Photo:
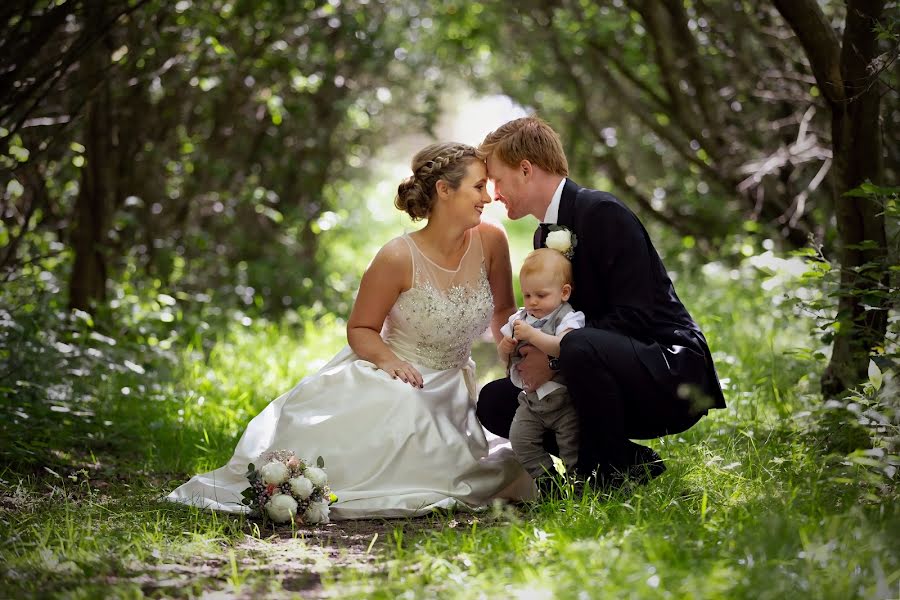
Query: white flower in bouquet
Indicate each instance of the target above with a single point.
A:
(561, 240)
(301, 487)
(274, 473)
(281, 508)
(318, 477)
(317, 512)
(267, 496)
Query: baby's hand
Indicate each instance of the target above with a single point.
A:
(522, 331)
(507, 345)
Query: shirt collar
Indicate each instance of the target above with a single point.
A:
(552, 215)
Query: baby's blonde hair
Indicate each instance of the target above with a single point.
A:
(547, 259)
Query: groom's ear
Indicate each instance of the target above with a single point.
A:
(526, 168)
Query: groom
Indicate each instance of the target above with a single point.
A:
(641, 368)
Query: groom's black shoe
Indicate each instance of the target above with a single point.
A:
(641, 465)
(646, 466)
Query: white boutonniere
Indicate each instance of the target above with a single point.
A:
(562, 240)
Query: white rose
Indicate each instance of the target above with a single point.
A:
(274, 472)
(318, 477)
(281, 508)
(559, 240)
(301, 487)
(316, 513)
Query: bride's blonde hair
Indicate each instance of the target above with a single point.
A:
(445, 161)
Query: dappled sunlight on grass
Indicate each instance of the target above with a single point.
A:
(747, 508)
(205, 409)
(751, 506)
(697, 531)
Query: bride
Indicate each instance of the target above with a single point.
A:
(393, 414)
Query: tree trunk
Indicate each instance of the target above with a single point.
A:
(87, 285)
(856, 142)
(842, 71)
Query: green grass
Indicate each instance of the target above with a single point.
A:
(752, 506)
(753, 516)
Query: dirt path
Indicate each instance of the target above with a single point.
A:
(260, 563)
(283, 564)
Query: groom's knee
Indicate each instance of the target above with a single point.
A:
(497, 403)
(483, 410)
(576, 351)
(583, 357)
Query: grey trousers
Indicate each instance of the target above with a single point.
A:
(555, 412)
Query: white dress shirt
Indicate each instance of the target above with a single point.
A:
(552, 215)
(572, 320)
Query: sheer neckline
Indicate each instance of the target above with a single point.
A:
(461, 258)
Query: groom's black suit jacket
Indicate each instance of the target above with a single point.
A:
(621, 285)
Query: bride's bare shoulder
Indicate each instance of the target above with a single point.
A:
(493, 237)
(394, 255)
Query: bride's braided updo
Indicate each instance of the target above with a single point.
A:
(444, 161)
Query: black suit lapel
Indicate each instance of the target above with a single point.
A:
(584, 294)
(539, 237)
(566, 215)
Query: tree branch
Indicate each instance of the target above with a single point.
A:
(694, 69)
(57, 70)
(819, 41)
(658, 26)
(614, 167)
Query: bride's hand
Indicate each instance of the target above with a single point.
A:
(405, 371)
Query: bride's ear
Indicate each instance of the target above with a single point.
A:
(442, 188)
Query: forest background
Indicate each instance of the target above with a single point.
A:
(191, 191)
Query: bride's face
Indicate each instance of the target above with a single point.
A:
(466, 203)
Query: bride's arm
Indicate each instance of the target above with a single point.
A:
(385, 279)
(499, 271)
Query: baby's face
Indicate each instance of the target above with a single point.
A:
(543, 293)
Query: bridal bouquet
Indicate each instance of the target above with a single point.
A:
(284, 488)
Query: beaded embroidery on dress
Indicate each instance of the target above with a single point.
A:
(437, 319)
(391, 450)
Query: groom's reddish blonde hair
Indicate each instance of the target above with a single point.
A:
(528, 138)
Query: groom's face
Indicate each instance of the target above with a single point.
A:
(510, 187)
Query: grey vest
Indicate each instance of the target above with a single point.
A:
(548, 325)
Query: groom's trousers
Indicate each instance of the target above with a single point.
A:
(614, 394)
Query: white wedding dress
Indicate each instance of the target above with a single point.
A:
(391, 450)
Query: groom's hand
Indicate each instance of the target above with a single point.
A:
(534, 368)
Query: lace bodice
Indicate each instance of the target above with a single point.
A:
(435, 321)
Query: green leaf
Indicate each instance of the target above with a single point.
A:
(875, 375)
(864, 245)
(19, 153)
(320, 462)
(870, 190)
